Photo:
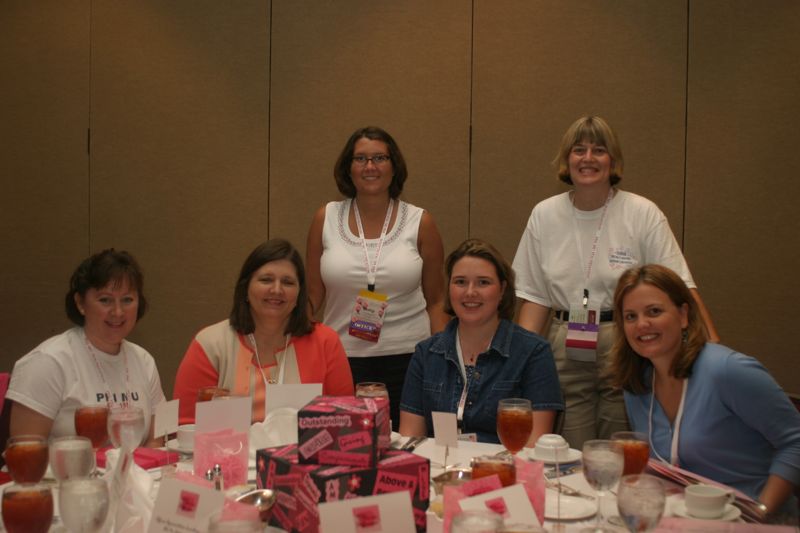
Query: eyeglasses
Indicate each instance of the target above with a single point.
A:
(376, 159)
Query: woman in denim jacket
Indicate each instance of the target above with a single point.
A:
(481, 357)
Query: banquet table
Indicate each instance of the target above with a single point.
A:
(460, 457)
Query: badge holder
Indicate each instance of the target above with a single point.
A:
(582, 332)
(368, 313)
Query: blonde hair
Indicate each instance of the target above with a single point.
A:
(595, 130)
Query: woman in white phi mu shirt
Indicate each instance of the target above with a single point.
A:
(92, 363)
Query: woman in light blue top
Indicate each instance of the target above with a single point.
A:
(705, 407)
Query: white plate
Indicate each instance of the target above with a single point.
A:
(731, 512)
(573, 456)
(572, 508)
(173, 445)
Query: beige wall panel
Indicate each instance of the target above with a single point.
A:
(44, 60)
(338, 66)
(538, 66)
(180, 95)
(741, 213)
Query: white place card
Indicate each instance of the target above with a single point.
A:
(295, 395)
(231, 413)
(184, 507)
(445, 429)
(166, 418)
(385, 513)
(511, 503)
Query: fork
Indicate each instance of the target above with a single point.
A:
(567, 490)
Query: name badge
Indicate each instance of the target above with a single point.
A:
(368, 314)
(582, 331)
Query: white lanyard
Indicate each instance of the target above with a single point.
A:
(463, 368)
(281, 363)
(673, 452)
(372, 269)
(122, 353)
(588, 273)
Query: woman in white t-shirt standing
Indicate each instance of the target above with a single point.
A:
(375, 262)
(574, 248)
(91, 363)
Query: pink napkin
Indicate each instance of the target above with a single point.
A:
(452, 495)
(146, 458)
(531, 475)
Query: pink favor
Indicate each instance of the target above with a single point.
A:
(225, 448)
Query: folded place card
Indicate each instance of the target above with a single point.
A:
(233, 412)
(385, 513)
(166, 418)
(511, 503)
(184, 507)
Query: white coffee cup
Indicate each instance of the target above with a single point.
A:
(707, 501)
(549, 445)
(186, 437)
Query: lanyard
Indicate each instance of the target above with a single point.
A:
(673, 451)
(372, 269)
(463, 368)
(109, 403)
(597, 233)
(281, 362)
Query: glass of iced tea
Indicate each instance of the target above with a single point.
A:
(206, 394)
(636, 450)
(371, 389)
(514, 423)
(503, 466)
(92, 422)
(26, 457)
(27, 508)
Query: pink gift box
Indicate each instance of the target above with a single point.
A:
(300, 487)
(343, 430)
(225, 448)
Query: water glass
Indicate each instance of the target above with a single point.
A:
(640, 502)
(83, 504)
(602, 467)
(26, 458)
(71, 457)
(126, 427)
(476, 522)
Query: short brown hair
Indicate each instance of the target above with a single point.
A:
(483, 250)
(595, 130)
(241, 317)
(626, 367)
(97, 271)
(341, 170)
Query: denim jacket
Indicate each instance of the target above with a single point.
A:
(518, 364)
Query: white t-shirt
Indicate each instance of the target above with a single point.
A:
(553, 254)
(60, 375)
(399, 275)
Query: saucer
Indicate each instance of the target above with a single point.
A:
(731, 512)
(173, 445)
(573, 456)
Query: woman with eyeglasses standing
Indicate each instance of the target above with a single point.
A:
(375, 262)
(574, 248)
